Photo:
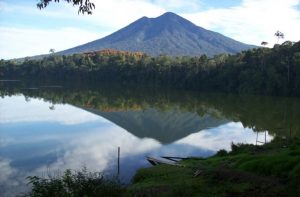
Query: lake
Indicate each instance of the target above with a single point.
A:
(47, 128)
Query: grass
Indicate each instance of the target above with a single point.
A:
(248, 170)
(272, 169)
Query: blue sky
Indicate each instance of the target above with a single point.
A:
(26, 30)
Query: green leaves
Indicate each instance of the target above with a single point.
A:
(257, 71)
(85, 6)
(74, 184)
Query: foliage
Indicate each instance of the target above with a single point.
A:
(279, 35)
(85, 6)
(74, 184)
(261, 71)
(277, 115)
(221, 153)
(247, 171)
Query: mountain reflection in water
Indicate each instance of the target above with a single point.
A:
(85, 126)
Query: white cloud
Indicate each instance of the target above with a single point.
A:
(179, 5)
(119, 13)
(5, 169)
(21, 42)
(109, 16)
(221, 137)
(31, 9)
(253, 21)
(15, 109)
(98, 150)
(11, 180)
(108, 13)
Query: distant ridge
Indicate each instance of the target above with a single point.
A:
(167, 34)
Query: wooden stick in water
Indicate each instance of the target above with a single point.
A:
(118, 161)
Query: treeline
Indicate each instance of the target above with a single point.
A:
(261, 71)
(278, 115)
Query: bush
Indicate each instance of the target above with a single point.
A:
(75, 184)
(222, 153)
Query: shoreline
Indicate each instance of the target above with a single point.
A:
(272, 169)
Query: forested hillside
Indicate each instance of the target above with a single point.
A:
(262, 71)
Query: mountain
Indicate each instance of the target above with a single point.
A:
(167, 34)
(163, 126)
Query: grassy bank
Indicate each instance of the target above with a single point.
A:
(248, 170)
(272, 169)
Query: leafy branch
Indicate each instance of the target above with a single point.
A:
(85, 6)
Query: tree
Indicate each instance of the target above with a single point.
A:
(279, 35)
(286, 51)
(85, 6)
(263, 43)
(52, 51)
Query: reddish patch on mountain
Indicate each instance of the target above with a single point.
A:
(115, 52)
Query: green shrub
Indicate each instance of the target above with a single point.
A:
(222, 153)
(74, 184)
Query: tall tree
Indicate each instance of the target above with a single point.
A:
(85, 6)
(52, 51)
(263, 43)
(279, 35)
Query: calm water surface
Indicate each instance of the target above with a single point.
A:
(50, 128)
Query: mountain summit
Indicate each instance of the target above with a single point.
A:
(167, 34)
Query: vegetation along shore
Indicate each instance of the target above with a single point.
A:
(272, 169)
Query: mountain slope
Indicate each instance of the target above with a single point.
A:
(165, 127)
(167, 34)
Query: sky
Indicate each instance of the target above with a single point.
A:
(77, 138)
(26, 31)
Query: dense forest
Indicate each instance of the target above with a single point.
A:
(263, 71)
(279, 115)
